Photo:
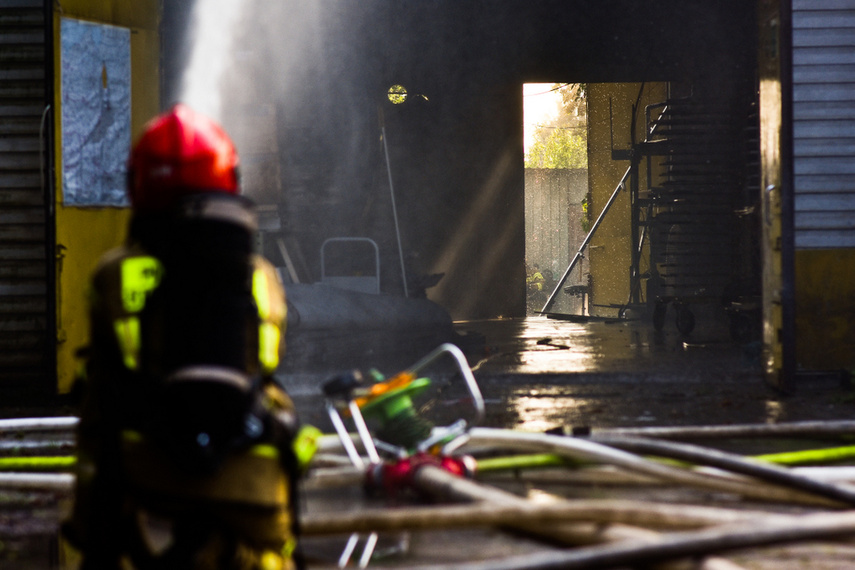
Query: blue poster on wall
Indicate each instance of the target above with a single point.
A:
(96, 112)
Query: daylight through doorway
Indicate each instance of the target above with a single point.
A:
(556, 193)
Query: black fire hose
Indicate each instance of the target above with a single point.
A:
(729, 462)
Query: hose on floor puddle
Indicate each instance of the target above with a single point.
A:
(587, 450)
(836, 428)
(729, 462)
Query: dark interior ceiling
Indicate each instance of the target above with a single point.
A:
(437, 42)
(599, 41)
(328, 65)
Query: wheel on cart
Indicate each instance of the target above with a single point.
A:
(685, 320)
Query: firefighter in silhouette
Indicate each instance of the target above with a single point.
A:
(534, 283)
(188, 449)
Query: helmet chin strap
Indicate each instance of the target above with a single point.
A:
(218, 206)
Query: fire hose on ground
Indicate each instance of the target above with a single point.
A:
(419, 457)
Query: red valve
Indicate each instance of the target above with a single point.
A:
(395, 478)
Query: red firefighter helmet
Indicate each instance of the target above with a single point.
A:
(181, 152)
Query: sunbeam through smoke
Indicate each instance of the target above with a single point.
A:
(212, 25)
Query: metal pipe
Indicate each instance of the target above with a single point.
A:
(345, 239)
(345, 438)
(465, 371)
(344, 558)
(368, 550)
(585, 242)
(394, 209)
(362, 429)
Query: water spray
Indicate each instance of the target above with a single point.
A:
(212, 32)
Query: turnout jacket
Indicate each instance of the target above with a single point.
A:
(181, 414)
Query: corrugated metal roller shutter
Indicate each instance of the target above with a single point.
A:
(824, 122)
(25, 329)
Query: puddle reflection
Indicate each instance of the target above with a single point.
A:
(774, 411)
(542, 407)
(540, 345)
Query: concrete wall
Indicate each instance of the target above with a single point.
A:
(555, 227)
(83, 234)
(609, 119)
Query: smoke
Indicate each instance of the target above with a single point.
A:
(299, 87)
(211, 38)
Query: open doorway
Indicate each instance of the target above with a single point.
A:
(555, 122)
(670, 165)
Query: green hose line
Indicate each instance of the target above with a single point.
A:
(730, 462)
(809, 456)
(494, 464)
(534, 461)
(788, 458)
(54, 463)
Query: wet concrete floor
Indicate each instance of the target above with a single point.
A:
(535, 374)
(540, 373)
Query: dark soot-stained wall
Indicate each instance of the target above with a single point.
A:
(455, 154)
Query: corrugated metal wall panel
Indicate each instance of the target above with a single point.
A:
(25, 327)
(824, 122)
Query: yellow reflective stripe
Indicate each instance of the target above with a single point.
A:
(261, 292)
(140, 276)
(268, 346)
(128, 334)
(271, 560)
(269, 333)
(289, 548)
(305, 445)
(265, 450)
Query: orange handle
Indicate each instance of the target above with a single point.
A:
(400, 380)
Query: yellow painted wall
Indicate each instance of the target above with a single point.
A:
(610, 249)
(825, 309)
(84, 234)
